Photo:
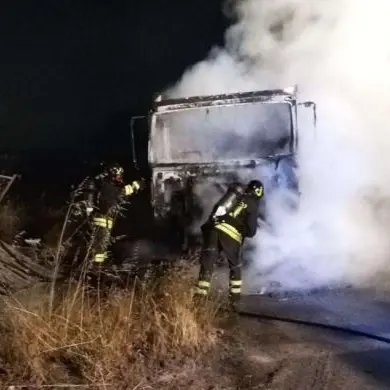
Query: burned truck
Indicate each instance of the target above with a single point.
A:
(199, 145)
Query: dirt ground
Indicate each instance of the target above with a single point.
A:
(263, 354)
(257, 354)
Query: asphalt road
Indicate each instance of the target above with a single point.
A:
(306, 357)
(283, 355)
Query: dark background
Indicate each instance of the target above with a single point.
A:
(73, 72)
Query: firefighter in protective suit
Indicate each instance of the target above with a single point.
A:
(103, 195)
(233, 218)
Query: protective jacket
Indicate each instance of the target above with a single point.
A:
(103, 197)
(241, 222)
(102, 193)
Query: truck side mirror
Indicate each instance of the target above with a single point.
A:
(307, 122)
(312, 105)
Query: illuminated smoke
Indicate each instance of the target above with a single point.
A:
(337, 52)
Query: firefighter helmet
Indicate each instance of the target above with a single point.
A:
(256, 188)
(116, 172)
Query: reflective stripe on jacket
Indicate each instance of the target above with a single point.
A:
(105, 222)
(230, 230)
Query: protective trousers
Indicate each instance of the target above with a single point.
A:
(101, 234)
(215, 242)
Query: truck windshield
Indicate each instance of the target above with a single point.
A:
(217, 134)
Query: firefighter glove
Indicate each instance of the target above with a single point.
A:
(139, 185)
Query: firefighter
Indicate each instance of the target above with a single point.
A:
(233, 218)
(103, 196)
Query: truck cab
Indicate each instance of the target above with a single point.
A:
(199, 145)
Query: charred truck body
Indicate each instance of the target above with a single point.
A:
(199, 145)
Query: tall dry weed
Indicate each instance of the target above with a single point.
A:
(115, 338)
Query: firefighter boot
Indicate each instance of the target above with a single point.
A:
(234, 301)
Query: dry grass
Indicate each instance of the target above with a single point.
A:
(73, 335)
(119, 339)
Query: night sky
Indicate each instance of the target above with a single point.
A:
(73, 72)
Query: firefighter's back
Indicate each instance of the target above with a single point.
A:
(109, 194)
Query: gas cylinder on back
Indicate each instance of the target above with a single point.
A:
(228, 200)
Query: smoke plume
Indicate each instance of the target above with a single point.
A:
(338, 53)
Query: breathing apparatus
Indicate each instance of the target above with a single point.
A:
(228, 200)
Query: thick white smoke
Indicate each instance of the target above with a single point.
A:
(338, 53)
